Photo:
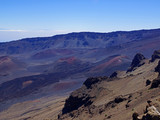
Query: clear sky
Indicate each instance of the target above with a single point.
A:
(31, 18)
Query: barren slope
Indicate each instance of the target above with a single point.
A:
(114, 98)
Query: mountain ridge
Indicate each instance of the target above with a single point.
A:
(77, 40)
(74, 58)
(84, 32)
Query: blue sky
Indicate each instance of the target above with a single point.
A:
(31, 18)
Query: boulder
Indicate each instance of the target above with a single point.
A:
(152, 114)
(119, 99)
(155, 83)
(148, 82)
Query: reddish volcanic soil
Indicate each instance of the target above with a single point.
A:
(27, 83)
(5, 59)
(69, 60)
(6, 64)
(113, 62)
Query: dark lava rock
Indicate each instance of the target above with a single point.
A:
(136, 62)
(93, 80)
(114, 75)
(148, 82)
(150, 114)
(156, 55)
(119, 99)
(157, 69)
(127, 105)
(116, 101)
(82, 96)
(135, 115)
(155, 83)
(74, 102)
(151, 117)
(109, 116)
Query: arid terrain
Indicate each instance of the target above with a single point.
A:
(38, 74)
(119, 96)
(38, 109)
(100, 98)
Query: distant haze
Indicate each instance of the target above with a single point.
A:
(33, 18)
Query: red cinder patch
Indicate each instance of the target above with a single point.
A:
(69, 60)
(26, 83)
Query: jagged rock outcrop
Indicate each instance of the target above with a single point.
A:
(116, 101)
(114, 75)
(151, 113)
(119, 99)
(156, 55)
(74, 102)
(107, 97)
(137, 62)
(82, 96)
(93, 80)
(155, 83)
(157, 69)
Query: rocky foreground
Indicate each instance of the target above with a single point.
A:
(122, 96)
